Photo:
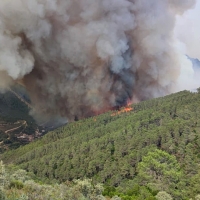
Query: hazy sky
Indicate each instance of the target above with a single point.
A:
(188, 30)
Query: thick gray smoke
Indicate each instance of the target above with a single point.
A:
(81, 57)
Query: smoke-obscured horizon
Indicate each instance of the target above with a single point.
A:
(78, 58)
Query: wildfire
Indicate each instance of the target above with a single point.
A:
(126, 109)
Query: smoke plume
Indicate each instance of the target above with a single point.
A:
(81, 57)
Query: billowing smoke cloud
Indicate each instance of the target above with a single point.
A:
(80, 57)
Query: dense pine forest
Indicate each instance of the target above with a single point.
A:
(150, 150)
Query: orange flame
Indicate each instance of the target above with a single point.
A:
(126, 109)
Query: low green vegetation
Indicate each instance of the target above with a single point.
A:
(17, 184)
(151, 152)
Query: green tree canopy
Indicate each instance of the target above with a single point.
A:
(160, 171)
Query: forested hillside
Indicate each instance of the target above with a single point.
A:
(154, 147)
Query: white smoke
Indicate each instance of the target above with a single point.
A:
(187, 33)
(78, 58)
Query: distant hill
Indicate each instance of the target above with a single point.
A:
(195, 63)
(12, 108)
(17, 127)
(150, 146)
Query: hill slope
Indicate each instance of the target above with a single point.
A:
(113, 148)
(17, 127)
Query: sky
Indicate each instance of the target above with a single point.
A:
(187, 33)
(188, 30)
